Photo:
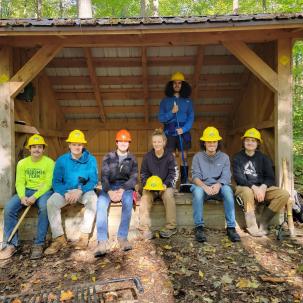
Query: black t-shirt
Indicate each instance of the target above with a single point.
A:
(253, 170)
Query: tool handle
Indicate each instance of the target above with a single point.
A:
(18, 223)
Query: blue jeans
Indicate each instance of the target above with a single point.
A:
(12, 210)
(226, 194)
(102, 214)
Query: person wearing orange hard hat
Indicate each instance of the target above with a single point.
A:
(254, 175)
(177, 115)
(33, 185)
(74, 181)
(119, 175)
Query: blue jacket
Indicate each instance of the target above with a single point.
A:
(70, 173)
(185, 115)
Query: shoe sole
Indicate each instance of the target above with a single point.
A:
(99, 254)
(166, 236)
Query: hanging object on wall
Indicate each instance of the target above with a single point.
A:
(27, 94)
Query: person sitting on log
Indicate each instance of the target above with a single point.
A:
(119, 176)
(211, 177)
(33, 185)
(158, 163)
(254, 175)
(75, 177)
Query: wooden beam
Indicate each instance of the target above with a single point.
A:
(204, 80)
(115, 124)
(136, 94)
(7, 142)
(94, 81)
(261, 125)
(137, 61)
(197, 71)
(33, 67)
(160, 37)
(28, 129)
(283, 112)
(222, 108)
(254, 63)
(145, 82)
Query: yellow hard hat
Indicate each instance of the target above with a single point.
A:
(177, 76)
(252, 133)
(210, 133)
(76, 136)
(35, 140)
(154, 183)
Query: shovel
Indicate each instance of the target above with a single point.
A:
(4, 243)
(184, 188)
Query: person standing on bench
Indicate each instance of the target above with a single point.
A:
(33, 185)
(177, 115)
(162, 163)
(253, 172)
(75, 177)
(119, 175)
(211, 177)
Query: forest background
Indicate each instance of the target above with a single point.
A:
(145, 8)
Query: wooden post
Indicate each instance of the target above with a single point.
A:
(7, 134)
(283, 112)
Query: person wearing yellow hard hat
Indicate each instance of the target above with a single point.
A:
(119, 175)
(159, 174)
(254, 175)
(33, 186)
(211, 177)
(75, 177)
(177, 115)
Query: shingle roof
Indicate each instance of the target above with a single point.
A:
(207, 21)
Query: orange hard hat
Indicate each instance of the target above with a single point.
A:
(123, 135)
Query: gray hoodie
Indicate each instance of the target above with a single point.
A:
(211, 169)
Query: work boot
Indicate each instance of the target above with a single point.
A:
(101, 249)
(251, 224)
(266, 217)
(147, 234)
(167, 233)
(82, 242)
(124, 244)
(232, 234)
(184, 174)
(7, 252)
(57, 244)
(36, 252)
(200, 236)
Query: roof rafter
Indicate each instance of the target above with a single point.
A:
(94, 81)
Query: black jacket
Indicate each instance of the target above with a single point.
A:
(255, 170)
(126, 173)
(165, 167)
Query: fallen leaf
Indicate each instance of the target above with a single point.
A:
(93, 279)
(168, 247)
(74, 277)
(300, 268)
(201, 274)
(16, 300)
(245, 283)
(226, 279)
(66, 295)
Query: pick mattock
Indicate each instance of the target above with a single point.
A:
(4, 243)
(289, 205)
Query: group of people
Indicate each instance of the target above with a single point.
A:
(74, 176)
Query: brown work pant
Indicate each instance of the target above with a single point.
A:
(276, 197)
(146, 204)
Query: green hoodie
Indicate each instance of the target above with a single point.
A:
(34, 175)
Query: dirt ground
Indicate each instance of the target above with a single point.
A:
(171, 270)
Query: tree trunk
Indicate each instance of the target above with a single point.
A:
(155, 8)
(39, 9)
(60, 9)
(264, 6)
(235, 7)
(143, 8)
(85, 9)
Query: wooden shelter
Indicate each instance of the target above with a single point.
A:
(100, 75)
